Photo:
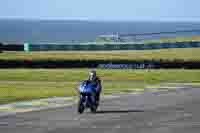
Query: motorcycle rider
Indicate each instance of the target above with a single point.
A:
(97, 83)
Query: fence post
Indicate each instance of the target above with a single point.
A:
(26, 47)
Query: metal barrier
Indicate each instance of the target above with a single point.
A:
(1, 46)
(106, 47)
(94, 47)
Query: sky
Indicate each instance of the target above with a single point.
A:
(103, 10)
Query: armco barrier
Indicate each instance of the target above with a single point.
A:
(92, 47)
(102, 64)
(12, 47)
(1, 47)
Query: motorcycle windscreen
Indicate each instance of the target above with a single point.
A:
(86, 87)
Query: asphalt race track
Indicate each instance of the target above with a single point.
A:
(160, 112)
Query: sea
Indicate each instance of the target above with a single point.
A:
(66, 31)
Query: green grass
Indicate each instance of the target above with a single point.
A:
(165, 54)
(26, 84)
(76, 75)
(18, 91)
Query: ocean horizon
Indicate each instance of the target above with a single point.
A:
(66, 31)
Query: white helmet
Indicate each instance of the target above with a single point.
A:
(92, 75)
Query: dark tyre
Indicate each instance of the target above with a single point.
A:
(80, 107)
(93, 109)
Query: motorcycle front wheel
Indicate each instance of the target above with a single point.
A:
(80, 107)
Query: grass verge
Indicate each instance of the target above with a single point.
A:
(26, 84)
(187, 54)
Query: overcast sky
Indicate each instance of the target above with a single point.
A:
(106, 10)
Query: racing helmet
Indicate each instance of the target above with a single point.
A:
(92, 75)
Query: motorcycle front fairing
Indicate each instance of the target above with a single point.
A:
(87, 91)
(87, 87)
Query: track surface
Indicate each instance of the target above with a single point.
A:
(177, 111)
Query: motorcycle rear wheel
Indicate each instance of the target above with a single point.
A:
(93, 109)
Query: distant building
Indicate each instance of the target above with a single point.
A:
(117, 38)
(111, 37)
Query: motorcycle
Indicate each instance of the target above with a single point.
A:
(87, 97)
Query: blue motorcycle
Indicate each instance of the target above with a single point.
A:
(87, 97)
